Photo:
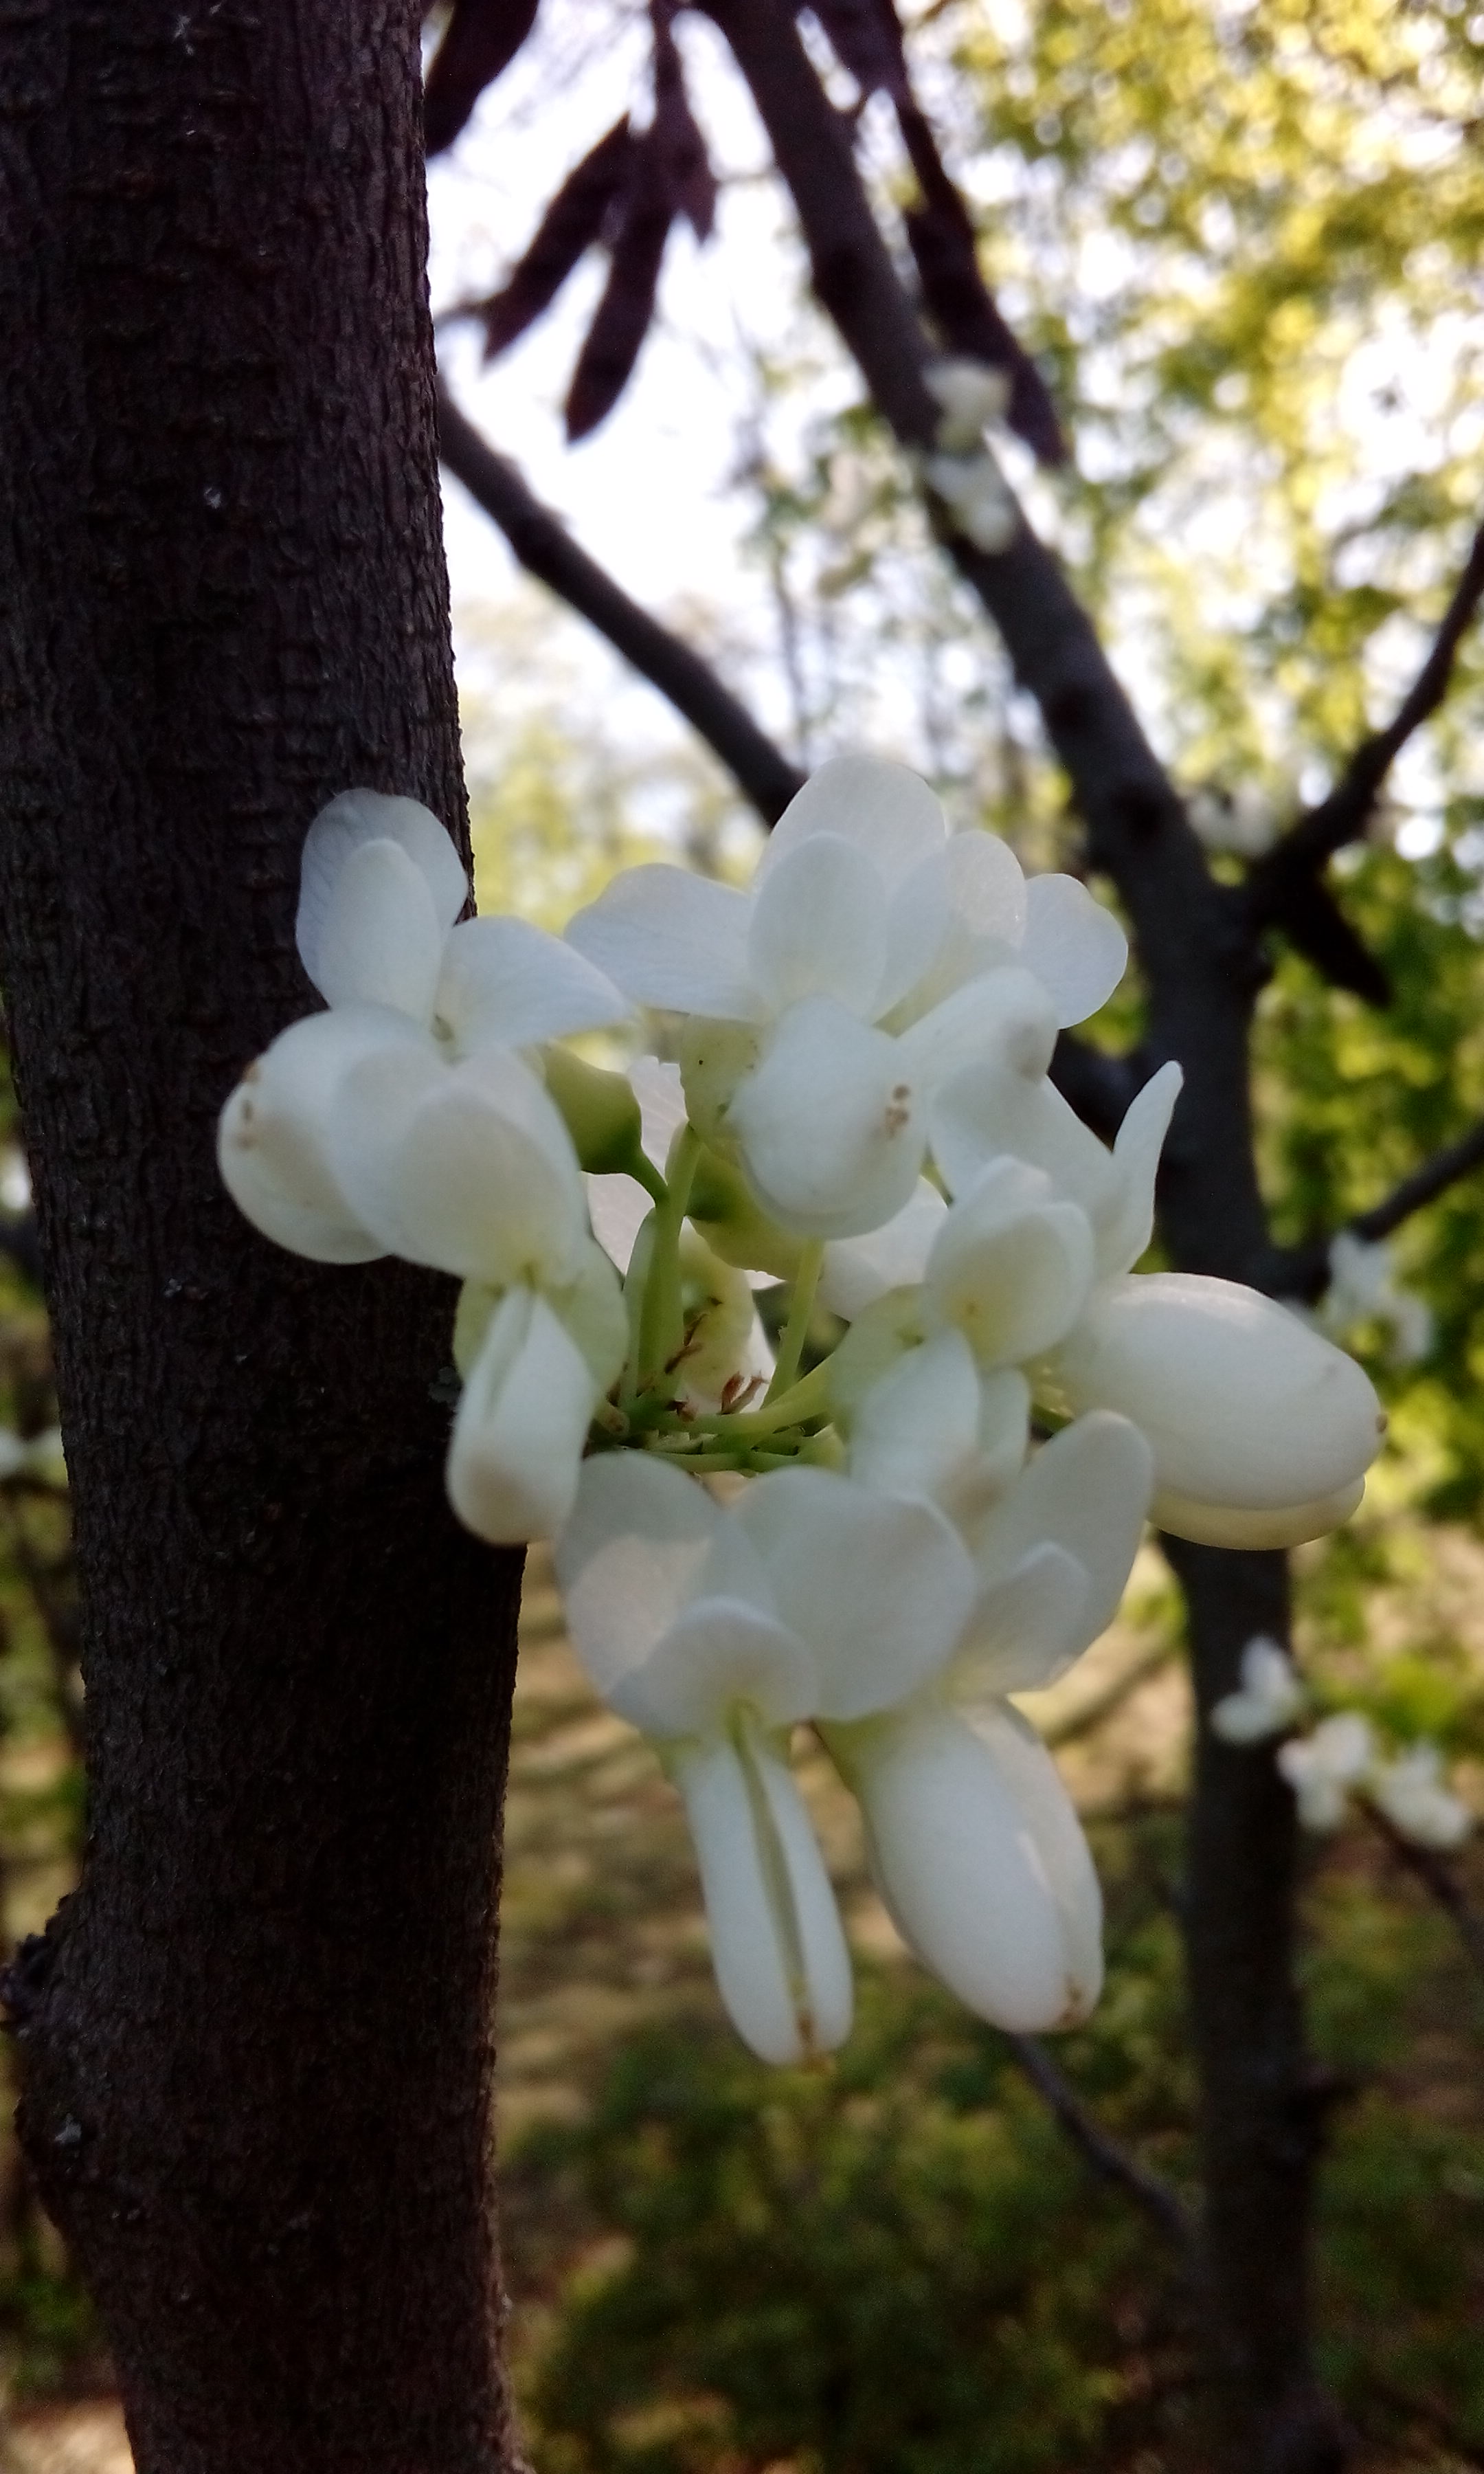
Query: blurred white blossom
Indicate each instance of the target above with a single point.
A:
(1270, 1698)
(1324, 1768)
(1410, 1791)
(1363, 1289)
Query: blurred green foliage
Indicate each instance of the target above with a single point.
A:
(898, 2265)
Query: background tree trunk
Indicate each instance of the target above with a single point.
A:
(257, 2041)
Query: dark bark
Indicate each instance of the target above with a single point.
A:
(1262, 2104)
(545, 548)
(257, 2043)
(1344, 816)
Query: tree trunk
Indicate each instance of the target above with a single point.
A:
(1262, 2104)
(256, 2045)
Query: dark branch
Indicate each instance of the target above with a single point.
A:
(546, 550)
(1097, 1085)
(1104, 2154)
(1343, 816)
(1423, 1186)
(1438, 1877)
(1304, 1270)
(1195, 942)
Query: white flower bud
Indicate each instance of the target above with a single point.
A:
(1248, 1413)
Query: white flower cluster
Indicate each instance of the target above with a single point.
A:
(861, 1110)
(1339, 1757)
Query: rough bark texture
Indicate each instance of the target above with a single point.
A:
(256, 2044)
(1262, 2103)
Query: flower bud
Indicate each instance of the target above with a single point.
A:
(980, 1859)
(1247, 1409)
(599, 1110)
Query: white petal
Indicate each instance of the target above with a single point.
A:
(1076, 948)
(1126, 1222)
(964, 1877)
(1011, 1266)
(661, 1097)
(878, 1589)
(819, 928)
(381, 940)
(1026, 1628)
(989, 888)
(829, 1134)
(1001, 1019)
(1244, 1406)
(1086, 1491)
(521, 1426)
(781, 1965)
(507, 985)
(344, 825)
(672, 939)
(915, 1430)
(644, 1543)
(858, 1269)
(466, 1168)
(719, 1654)
(619, 1209)
(920, 923)
(1223, 1524)
(273, 1146)
(889, 815)
(590, 1309)
(1050, 1817)
(723, 1339)
(991, 1110)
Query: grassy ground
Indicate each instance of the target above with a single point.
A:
(897, 2265)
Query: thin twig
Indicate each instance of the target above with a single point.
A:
(1437, 1877)
(546, 550)
(1425, 1184)
(1342, 815)
(1105, 2157)
(1304, 1270)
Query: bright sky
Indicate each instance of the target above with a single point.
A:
(653, 493)
(649, 494)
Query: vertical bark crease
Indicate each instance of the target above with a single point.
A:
(256, 2044)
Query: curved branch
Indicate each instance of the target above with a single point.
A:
(1437, 1877)
(546, 550)
(1103, 2153)
(1342, 816)
(1304, 1270)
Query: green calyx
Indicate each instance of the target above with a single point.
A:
(602, 1116)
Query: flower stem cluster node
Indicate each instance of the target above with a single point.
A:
(866, 1538)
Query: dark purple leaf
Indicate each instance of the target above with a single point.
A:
(482, 39)
(960, 303)
(628, 304)
(574, 220)
(690, 183)
(866, 39)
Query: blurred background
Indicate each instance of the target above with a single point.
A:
(1244, 246)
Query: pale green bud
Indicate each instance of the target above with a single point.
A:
(734, 1224)
(600, 1113)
